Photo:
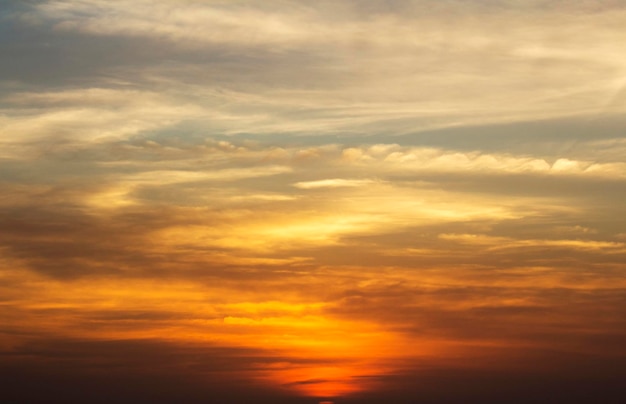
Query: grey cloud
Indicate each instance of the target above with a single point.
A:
(421, 100)
(547, 317)
(100, 371)
(133, 371)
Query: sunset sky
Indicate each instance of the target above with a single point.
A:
(290, 201)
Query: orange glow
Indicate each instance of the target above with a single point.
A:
(323, 381)
(329, 355)
(339, 353)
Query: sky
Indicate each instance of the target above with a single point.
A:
(324, 202)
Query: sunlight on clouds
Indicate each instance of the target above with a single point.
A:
(331, 183)
(91, 114)
(278, 233)
(120, 195)
(396, 158)
(175, 23)
(410, 82)
(189, 312)
(499, 243)
(173, 177)
(327, 201)
(372, 210)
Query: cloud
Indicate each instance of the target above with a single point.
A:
(395, 157)
(338, 201)
(77, 117)
(498, 243)
(119, 193)
(331, 183)
(351, 69)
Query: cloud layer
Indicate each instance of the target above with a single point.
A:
(291, 201)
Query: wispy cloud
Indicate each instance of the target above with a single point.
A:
(331, 183)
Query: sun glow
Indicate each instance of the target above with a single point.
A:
(324, 381)
(331, 356)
